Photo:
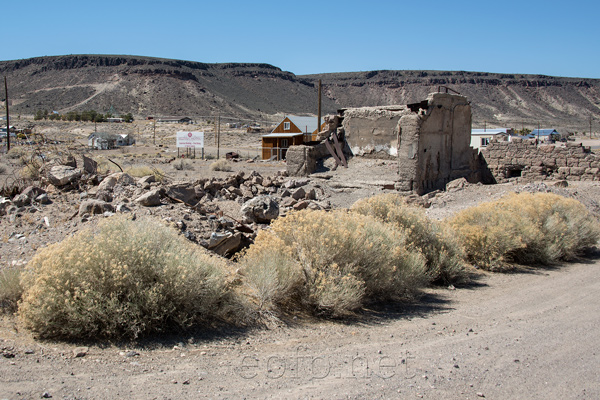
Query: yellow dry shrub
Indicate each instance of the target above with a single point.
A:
(220, 165)
(143, 170)
(444, 256)
(525, 228)
(10, 288)
(336, 260)
(121, 279)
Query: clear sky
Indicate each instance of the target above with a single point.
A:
(550, 37)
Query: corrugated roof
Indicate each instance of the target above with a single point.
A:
(282, 134)
(545, 132)
(492, 131)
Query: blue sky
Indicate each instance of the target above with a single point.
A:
(304, 37)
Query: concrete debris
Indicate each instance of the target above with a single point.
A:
(150, 199)
(62, 175)
(93, 206)
(261, 209)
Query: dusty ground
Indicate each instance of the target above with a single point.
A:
(526, 335)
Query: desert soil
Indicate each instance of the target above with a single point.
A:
(530, 334)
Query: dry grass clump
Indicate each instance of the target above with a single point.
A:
(330, 263)
(17, 153)
(220, 165)
(143, 170)
(10, 289)
(121, 279)
(526, 229)
(182, 164)
(445, 258)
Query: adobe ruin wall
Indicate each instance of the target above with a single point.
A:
(526, 160)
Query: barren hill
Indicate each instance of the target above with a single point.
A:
(152, 86)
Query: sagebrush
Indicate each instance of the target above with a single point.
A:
(182, 164)
(10, 289)
(331, 263)
(525, 228)
(220, 165)
(445, 257)
(141, 171)
(121, 279)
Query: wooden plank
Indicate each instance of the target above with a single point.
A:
(332, 152)
(339, 149)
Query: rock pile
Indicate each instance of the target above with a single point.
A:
(221, 214)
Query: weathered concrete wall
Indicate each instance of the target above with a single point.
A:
(434, 144)
(302, 160)
(373, 130)
(526, 160)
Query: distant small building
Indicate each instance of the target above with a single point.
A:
(107, 141)
(114, 119)
(174, 120)
(546, 135)
(480, 138)
(291, 131)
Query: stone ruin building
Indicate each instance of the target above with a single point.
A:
(528, 161)
(430, 140)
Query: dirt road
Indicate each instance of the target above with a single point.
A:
(529, 335)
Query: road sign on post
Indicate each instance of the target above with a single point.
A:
(193, 140)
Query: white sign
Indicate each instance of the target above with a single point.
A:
(190, 139)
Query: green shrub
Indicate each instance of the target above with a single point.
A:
(10, 289)
(121, 279)
(525, 228)
(444, 256)
(220, 165)
(331, 263)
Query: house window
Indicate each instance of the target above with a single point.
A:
(284, 143)
(286, 126)
(485, 141)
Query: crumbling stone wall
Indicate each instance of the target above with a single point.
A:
(302, 160)
(526, 160)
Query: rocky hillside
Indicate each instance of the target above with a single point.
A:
(151, 86)
(497, 99)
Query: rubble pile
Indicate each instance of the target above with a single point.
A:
(220, 214)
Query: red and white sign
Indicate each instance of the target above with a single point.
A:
(190, 139)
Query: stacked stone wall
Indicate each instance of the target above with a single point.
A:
(532, 162)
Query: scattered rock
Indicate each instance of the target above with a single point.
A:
(561, 184)
(261, 209)
(150, 199)
(298, 194)
(62, 175)
(95, 207)
(80, 351)
(456, 185)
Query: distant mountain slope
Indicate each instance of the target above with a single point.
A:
(152, 86)
(499, 99)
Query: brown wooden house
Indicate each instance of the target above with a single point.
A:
(292, 131)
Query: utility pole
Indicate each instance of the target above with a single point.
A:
(7, 117)
(319, 119)
(590, 123)
(154, 134)
(218, 136)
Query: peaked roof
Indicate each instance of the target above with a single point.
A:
(305, 124)
(544, 132)
(492, 131)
